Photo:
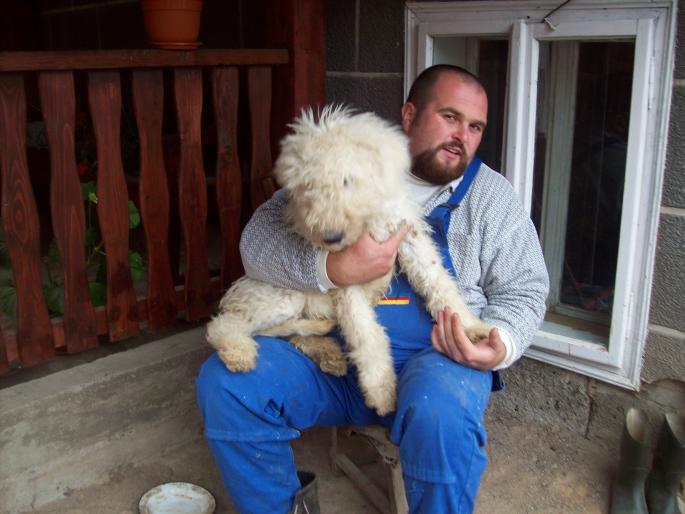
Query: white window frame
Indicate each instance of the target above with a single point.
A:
(652, 26)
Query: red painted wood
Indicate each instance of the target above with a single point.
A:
(192, 192)
(148, 101)
(68, 220)
(109, 59)
(21, 226)
(228, 179)
(299, 26)
(4, 361)
(262, 184)
(104, 98)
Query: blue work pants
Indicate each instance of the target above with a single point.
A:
(251, 417)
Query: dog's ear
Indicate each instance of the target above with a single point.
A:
(391, 146)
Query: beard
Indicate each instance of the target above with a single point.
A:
(427, 166)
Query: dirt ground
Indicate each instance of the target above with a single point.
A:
(532, 470)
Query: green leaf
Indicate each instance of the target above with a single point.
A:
(4, 256)
(137, 265)
(6, 276)
(54, 297)
(91, 238)
(53, 257)
(98, 293)
(101, 275)
(133, 215)
(88, 191)
(8, 299)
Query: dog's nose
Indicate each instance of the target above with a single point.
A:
(331, 238)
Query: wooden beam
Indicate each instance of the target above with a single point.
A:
(109, 59)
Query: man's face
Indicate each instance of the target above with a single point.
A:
(445, 134)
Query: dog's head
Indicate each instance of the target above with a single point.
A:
(338, 170)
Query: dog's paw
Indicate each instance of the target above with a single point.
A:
(239, 361)
(335, 365)
(477, 331)
(325, 351)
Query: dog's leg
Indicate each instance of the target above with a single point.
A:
(421, 262)
(301, 327)
(230, 336)
(369, 348)
(323, 350)
(249, 307)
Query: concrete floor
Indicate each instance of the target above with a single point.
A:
(532, 470)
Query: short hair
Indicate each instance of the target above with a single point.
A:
(419, 93)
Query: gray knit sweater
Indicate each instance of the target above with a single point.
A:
(492, 242)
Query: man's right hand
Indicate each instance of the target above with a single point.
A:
(365, 260)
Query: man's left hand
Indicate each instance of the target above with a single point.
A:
(448, 337)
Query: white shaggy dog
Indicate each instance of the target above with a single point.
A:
(344, 174)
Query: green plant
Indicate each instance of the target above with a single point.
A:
(96, 264)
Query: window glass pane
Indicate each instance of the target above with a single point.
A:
(580, 161)
(486, 58)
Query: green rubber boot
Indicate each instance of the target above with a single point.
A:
(663, 482)
(628, 488)
(307, 498)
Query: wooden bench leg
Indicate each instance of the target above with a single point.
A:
(396, 503)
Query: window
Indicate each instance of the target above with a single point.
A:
(579, 100)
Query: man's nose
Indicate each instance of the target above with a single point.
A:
(460, 132)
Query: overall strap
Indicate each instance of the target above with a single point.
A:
(440, 216)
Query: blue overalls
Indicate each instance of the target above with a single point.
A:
(251, 417)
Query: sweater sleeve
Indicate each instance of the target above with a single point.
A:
(272, 253)
(514, 277)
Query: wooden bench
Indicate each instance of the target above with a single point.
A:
(395, 502)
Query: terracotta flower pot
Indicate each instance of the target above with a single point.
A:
(172, 24)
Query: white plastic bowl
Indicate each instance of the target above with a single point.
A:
(177, 498)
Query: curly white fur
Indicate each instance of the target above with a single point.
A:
(344, 174)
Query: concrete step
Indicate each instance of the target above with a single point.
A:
(96, 437)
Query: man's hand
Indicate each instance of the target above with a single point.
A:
(365, 260)
(448, 337)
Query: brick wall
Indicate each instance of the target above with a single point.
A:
(665, 353)
(365, 55)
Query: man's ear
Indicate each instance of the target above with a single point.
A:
(408, 114)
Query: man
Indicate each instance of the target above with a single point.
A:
(444, 381)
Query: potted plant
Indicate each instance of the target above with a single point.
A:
(172, 24)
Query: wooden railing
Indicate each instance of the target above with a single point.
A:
(37, 337)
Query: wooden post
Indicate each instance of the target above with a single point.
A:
(68, 219)
(192, 193)
(21, 227)
(148, 101)
(228, 178)
(104, 97)
(299, 26)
